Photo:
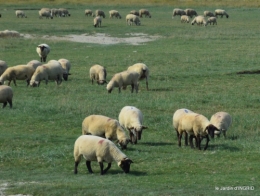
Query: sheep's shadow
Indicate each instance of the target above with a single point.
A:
(156, 143)
(162, 89)
(132, 172)
(213, 147)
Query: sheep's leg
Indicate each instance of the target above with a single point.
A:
(179, 139)
(191, 142)
(28, 82)
(132, 89)
(88, 164)
(76, 167)
(5, 103)
(207, 142)
(198, 140)
(119, 90)
(186, 138)
(10, 103)
(108, 167)
(224, 133)
(14, 81)
(101, 168)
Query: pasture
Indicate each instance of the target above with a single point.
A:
(191, 67)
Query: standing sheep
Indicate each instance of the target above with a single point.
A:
(131, 18)
(208, 14)
(98, 73)
(185, 19)
(199, 20)
(114, 13)
(64, 12)
(103, 126)
(94, 148)
(97, 21)
(124, 79)
(100, 13)
(131, 118)
(221, 120)
(45, 12)
(20, 13)
(3, 67)
(134, 12)
(88, 12)
(178, 12)
(6, 95)
(212, 20)
(144, 12)
(190, 12)
(43, 50)
(142, 70)
(66, 65)
(221, 13)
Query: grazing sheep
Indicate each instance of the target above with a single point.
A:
(6, 95)
(3, 67)
(88, 12)
(221, 13)
(178, 12)
(142, 70)
(114, 13)
(134, 12)
(123, 79)
(64, 12)
(221, 120)
(98, 73)
(131, 18)
(7, 33)
(208, 14)
(20, 13)
(66, 65)
(144, 12)
(100, 13)
(212, 20)
(131, 118)
(94, 148)
(190, 12)
(55, 12)
(105, 127)
(185, 19)
(199, 20)
(97, 21)
(198, 126)
(43, 50)
(45, 12)
(50, 71)
(34, 63)
(18, 72)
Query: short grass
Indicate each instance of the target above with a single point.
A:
(191, 67)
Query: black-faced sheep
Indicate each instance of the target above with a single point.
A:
(208, 14)
(199, 20)
(64, 12)
(43, 50)
(178, 12)
(98, 73)
(6, 95)
(97, 21)
(88, 12)
(100, 13)
(134, 12)
(221, 120)
(20, 13)
(190, 12)
(185, 19)
(144, 12)
(45, 12)
(212, 20)
(142, 70)
(131, 18)
(220, 12)
(114, 13)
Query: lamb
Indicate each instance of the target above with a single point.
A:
(100, 13)
(190, 12)
(98, 73)
(134, 12)
(131, 18)
(131, 118)
(212, 20)
(3, 67)
(200, 20)
(94, 148)
(43, 50)
(142, 70)
(185, 19)
(6, 95)
(221, 120)
(20, 13)
(198, 126)
(88, 12)
(34, 63)
(123, 79)
(64, 12)
(103, 126)
(114, 13)
(177, 12)
(44, 12)
(66, 65)
(208, 14)
(221, 13)
(144, 12)
(50, 71)
(97, 21)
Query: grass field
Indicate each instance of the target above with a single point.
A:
(191, 67)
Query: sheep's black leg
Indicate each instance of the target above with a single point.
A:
(76, 167)
(108, 167)
(89, 167)
(207, 142)
(179, 139)
(198, 139)
(10, 103)
(186, 138)
(5, 103)
(28, 82)
(191, 142)
(101, 168)
(132, 90)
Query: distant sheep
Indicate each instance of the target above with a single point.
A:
(43, 50)
(114, 13)
(131, 118)
(144, 12)
(208, 14)
(97, 21)
(20, 13)
(131, 18)
(34, 63)
(142, 70)
(45, 12)
(66, 65)
(100, 13)
(190, 12)
(134, 12)
(124, 79)
(178, 12)
(8, 33)
(199, 20)
(98, 73)
(3, 67)
(64, 12)
(221, 120)
(104, 126)
(185, 19)
(94, 148)
(88, 12)
(220, 12)
(6, 95)
(55, 12)
(212, 20)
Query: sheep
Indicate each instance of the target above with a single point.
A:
(34, 63)
(66, 65)
(88, 12)
(100, 13)
(43, 50)
(55, 12)
(131, 18)
(64, 12)
(104, 126)
(94, 148)
(97, 21)
(221, 13)
(221, 120)
(144, 12)
(185, 19)
(114, 13)
(18, 72)
(134, 12)
(45, 12)
(208, 14)
(200, 20)
(142, 70)
(6, 95)
(190, 12)
(8, 33)
(50, 71)
(98, 73)
(177, 12)
(3, 67)
(212, 20)
(123, 79)
(20, 13)
(198, 126)
(131, 118)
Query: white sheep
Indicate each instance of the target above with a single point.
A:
(114, 13)
(98, 73)
(221, 120)
(6, 95)
(34, 63)
(43, 50)
(88, 12)
(190, 12)
(9, 33)
(50, 71)
(178, 12)
(97, 21)
(198, 126)
(185, 19)
(142, 70)
(104, 126)
(94, 148)
(221, 13)
(66, 65)
(64, 12)
(199, 20)
(3, 67)
(55, 12)
(45, 12)
(144, 12)
(208, 14)
(131, 18)
(20, 13)
(123, 79)
(131, 118)
(100, 13)
(212, 20)
(134, 12)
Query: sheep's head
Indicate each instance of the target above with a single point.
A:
(110, 87)
(211, 130)
(34, 83)
(123, 143)
(125, 164)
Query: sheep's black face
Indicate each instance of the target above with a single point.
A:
(65, 76)
(139, 134)
(211, 130)
(125, 165)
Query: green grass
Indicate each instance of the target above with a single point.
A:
(191, 67)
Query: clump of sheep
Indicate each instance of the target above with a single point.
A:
(190, 12)
(199, 20)
(144, 12)
(123, 79)
(45, 12)
(8, 33)
(88, 12)
(98, 73)
(212, 20)
(43, 50)
(185, 19)
(20, 13)
(178, 12)
(142, 70)
(208, 14)
(131, 18)
(100, 13)
(94, 148)
(66, 65)
(114, 13)
(6, 95)
(3, 67)
(221, 120)
(104, 126)
(131, 118)
(97, 21)
(220, 12)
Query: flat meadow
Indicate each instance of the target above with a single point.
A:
(192, 67)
